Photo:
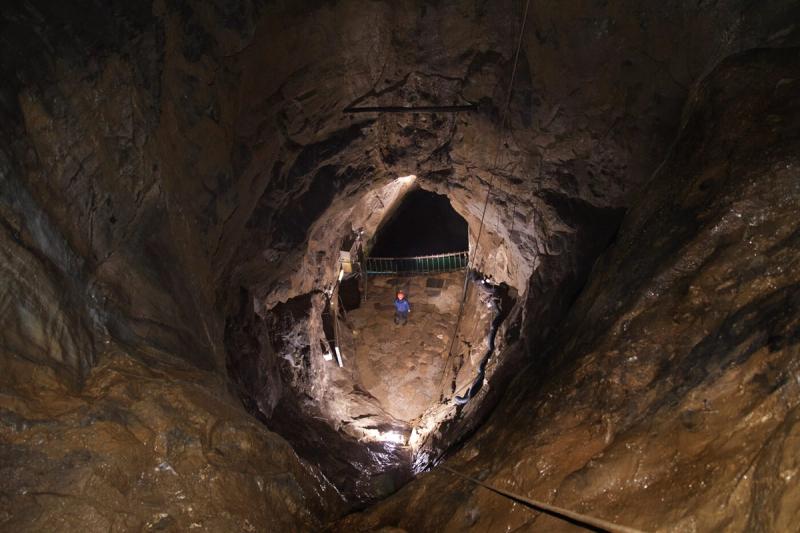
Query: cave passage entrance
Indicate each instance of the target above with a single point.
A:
(424, 224)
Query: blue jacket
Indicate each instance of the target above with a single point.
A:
(402, 306)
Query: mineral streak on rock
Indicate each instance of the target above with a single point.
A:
(177, 180)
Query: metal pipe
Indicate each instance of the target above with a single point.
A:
(412, 109)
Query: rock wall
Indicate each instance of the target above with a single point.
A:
(158, 159)
(672, 398)
(116, 413)
(586, 130)
(145, 444)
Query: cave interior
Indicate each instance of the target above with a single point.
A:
(208, 208)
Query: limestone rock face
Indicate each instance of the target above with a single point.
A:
(672, 398)
(584, 133)
(145, 445)
(115, 412)
(175, 175)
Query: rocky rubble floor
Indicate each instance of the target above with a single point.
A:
(401, 365)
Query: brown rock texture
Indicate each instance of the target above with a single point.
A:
(177, 180)
(672, 397)
(145, 446)
(403, 365)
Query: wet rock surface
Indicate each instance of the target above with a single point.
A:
(176, 177)
(670, 401)
(145, 446)
(365, 423)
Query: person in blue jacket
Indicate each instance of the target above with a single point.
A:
(401, 308)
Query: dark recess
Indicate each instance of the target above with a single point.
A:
(424, 224)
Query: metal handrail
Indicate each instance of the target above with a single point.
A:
(449, 254)
(422, 264)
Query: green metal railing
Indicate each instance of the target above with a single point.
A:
(425, 264)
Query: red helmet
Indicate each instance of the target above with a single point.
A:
(400, 293)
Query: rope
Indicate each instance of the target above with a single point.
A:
(500, 139)
(582, 520)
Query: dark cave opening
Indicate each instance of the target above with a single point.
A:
(424, 223)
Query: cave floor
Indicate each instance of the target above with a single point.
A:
(401, 365)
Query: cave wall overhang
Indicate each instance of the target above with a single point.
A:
(567, 161)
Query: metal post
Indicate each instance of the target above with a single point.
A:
(338, 356)
(334, 308)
